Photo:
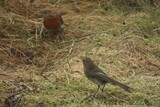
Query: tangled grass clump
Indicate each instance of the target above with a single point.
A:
(122, 37)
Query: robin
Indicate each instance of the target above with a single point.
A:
(97, 76)
(54, 25)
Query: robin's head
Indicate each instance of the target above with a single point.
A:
(47, 13)
(61, 14)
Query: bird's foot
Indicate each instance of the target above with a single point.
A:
(90, 97)
(102, 89)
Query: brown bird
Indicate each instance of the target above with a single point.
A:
(54, 24)
(97, 76)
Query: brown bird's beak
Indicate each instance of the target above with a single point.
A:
(82, 58)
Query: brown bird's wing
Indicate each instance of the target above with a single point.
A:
(103, 77)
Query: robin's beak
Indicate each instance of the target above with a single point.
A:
(61, 14)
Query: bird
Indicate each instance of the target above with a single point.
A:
(97, 76)
(54, 25)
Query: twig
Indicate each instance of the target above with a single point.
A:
(47, 79)
(66, 76)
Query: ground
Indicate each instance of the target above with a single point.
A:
(123, 42)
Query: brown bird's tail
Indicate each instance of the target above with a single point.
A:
(114, 82)
(125, 87)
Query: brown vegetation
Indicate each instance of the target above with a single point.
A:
(122, 36)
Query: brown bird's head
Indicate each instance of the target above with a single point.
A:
(87, 62)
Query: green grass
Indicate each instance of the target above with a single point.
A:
(123, 43)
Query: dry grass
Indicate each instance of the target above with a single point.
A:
(124, 43)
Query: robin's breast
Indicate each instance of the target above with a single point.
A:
(52, 23)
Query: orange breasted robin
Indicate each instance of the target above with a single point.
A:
(54, 25)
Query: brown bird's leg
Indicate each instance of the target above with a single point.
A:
(92, 96)
(96, 91)
(103, 87)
